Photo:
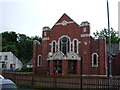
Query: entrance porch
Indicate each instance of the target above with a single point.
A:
(64, 66)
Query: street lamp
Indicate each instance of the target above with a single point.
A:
(109, 51)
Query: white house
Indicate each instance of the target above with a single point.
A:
(29, 64)
(8, 60)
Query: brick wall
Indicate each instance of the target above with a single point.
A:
(87, 46)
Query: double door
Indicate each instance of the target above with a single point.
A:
(57, 66)
(72, 66)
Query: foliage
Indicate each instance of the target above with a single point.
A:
(26, 70)
(20, 85)
(114, 35)
(43, 87)
(37, 38)
(11, 48)
(19, 44)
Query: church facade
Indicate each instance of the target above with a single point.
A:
(69, 48)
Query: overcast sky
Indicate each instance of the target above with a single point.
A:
(30, 16)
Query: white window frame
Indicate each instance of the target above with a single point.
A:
(84, 29)
(93, 60)
(59, 42)
(6, 57)
(0, 58)
(52, 46)
(77, 45)
(38, 61)
(45, 33)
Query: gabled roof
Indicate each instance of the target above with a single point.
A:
(65, 19)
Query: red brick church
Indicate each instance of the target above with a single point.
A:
(69, 48)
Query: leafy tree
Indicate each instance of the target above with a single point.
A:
(23, 37)
(37, 38)
(114, 35)
(25, 49)
(9, 40)
(11, 48)
(9, 36)
(4, 42)
(19, 44)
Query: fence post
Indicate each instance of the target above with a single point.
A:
(55, 81)
(14, 76)
(32, 79)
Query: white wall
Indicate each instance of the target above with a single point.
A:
(12, 59)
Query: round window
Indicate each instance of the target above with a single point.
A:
(64, 40)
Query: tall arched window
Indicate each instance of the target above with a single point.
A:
(64, 45)
(75, 46)
(94, 60)
(53, 47)
(39, 62)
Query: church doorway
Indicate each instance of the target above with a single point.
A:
(72, 66)
(57, 66)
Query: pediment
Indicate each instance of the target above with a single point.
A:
(64, 20)
(58, 56)
(73, 56)
(64, 17)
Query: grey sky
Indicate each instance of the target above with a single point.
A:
(29, 16)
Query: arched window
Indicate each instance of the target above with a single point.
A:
(39, 63)
(53, 47)
(75, 46)
(94, 60)
(64, 45)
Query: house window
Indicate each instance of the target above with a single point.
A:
(0, 58)
(94, 60)
(3, 65)
(39, 63)
(53, 47)
(75, 46)
(6, 57)
(64, 45)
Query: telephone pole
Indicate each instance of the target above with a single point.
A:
(109, 51)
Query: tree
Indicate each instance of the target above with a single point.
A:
(23, 37)
(9, 36)
(25, 49)
(37, 38)
(19, 44)
(114, 35)
(11, 48)
(9, 40)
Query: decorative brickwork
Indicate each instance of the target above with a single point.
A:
(73, 54)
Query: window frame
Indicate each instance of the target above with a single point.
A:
(76, 45)
(84, 29)
(5, 57)
(0, 58)
(97, 57)
(45, 33)
(39, 64)
(53, 47)
(60, 46)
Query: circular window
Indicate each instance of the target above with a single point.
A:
(64, 23)
(64, 40)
